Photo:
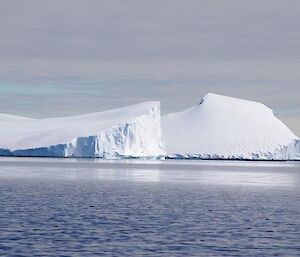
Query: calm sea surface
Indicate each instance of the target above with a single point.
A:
(85, 207)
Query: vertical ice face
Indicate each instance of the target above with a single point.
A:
(225, 127)
(138, 138)
(289, 152)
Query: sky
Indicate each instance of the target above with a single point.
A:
(67, 57)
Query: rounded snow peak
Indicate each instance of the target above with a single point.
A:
(212, 98)
(219, 97)
(225, 127)
(220, 101)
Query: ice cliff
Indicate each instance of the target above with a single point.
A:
(219, 127)
(133, 131)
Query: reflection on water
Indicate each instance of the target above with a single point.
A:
(60, 207)
(229, 178)
(272, 174)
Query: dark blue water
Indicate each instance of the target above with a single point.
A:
(61, 208)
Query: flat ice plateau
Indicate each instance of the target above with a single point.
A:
(219, 127)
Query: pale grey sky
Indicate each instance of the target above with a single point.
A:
(63, 57)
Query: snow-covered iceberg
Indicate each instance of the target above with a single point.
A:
(219, 127)
(222, 127)
(133, 131)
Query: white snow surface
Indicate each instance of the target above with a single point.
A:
(11, 118)
(133, 131)
(222, 127)
(219, 127)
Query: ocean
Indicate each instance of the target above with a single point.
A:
(92, 207)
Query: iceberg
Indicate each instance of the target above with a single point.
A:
(133, 131)
(219, 127)
(222, 127)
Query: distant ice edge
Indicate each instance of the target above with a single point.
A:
(140, 138)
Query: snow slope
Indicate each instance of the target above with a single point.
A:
(11, 118)
(228, 128)
(131, 131)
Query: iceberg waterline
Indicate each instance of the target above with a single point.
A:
(219, 127)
